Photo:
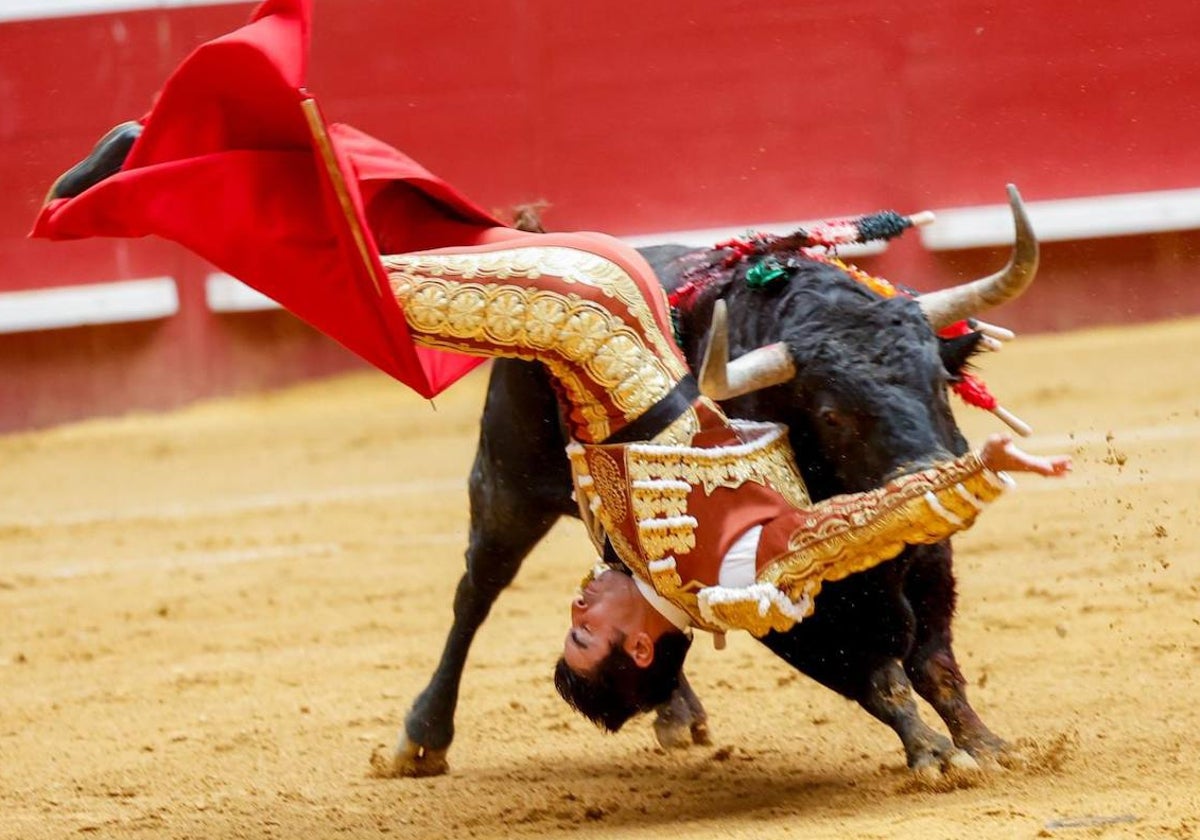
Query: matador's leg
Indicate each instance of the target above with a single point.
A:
(583, 305)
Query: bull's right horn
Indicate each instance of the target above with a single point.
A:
(721, 379)
(948, 306)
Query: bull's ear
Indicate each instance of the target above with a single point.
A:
(956, 352)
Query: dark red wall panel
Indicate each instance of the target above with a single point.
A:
(632, 119)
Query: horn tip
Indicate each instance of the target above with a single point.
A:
(1012, 421)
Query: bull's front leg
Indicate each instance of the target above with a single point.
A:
(854, 644)
(931, 664)
(520, 485)
(889, 697)
(493, 558)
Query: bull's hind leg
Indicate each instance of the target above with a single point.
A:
(520, 485)
(854, 644)
(682, 721)
(931, 664)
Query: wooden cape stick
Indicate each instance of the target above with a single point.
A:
(316, 126)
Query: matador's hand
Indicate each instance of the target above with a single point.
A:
(1000, 453)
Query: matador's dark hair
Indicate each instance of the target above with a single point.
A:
(617, 689)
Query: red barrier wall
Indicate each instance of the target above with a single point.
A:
(681, 115)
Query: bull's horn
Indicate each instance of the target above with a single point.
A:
(992, 331)
(1013, 421)
(947, 306)
(721, 379)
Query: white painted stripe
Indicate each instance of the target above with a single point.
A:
(109, 566)
(1117, 437)
(351, 494)
(225, 293)
(707, 237)
(11, 10)
(1066, 219)
(115, 566)
(99, 303)
(236, 505)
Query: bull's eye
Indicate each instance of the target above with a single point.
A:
(830, 418)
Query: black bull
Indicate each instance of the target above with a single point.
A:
(867, 401)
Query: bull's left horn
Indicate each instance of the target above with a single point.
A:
(948, 306)
(721, 379)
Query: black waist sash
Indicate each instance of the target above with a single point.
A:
(660, 415)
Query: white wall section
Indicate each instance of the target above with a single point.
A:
(11, 10)
(1094, 217)
(99, 303)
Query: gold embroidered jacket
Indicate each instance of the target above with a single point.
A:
(591, 311)
(673, 511)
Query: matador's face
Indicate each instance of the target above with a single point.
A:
(608, 610)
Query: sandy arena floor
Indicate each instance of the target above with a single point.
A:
(208, 621)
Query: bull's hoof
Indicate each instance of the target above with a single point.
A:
(1005, 757)
(928, 772)
(960, 762)
(681, 722)
(934, 765)
(993, 753)
(672, 733)
(408, 760)
(678, 732)
(955, 770)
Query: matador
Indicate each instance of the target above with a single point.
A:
(704, 520)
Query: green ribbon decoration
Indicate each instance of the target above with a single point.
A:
(765, 273)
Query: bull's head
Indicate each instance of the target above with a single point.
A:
(854, 375)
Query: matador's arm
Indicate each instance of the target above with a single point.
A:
(851, 533)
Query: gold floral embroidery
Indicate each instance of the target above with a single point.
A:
(545, 315)
(664, 576)
(597, 357)
(657, 498)
(615, 359)
(609, 486)
(427, 308)
(465, 316)
(765, 457)
(681, 429)
(581, 335)
(841, 536)
(660, 537)
(506, 316)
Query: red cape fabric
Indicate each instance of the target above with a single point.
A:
(227, 166)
